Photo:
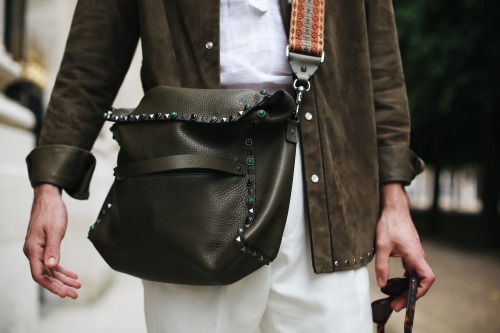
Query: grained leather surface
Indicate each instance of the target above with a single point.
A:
(181, 225)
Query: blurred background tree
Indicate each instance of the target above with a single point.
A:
(451, 54)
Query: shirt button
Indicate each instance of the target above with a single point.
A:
(314, 178)
(209, 45)
(308, 116)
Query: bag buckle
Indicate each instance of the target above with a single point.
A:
(303, 67)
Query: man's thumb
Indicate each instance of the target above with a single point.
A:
(52, 251)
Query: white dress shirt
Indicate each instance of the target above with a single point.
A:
(252, 45)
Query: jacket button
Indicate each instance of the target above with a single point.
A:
(209, 45)
(314, 178)
(308, 116)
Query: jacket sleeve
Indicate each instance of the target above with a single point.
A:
(397, 163)
(101, 43)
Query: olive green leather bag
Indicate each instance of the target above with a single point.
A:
(202, 185)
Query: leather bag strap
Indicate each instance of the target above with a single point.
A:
(179, 162)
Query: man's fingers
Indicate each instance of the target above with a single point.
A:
(52, 285)
(382, 266)
(35, 257)
(57, 282)
(66, 272)
(400, 302)
(416, 265)
(426, 278)
(66, 280)
(42, 276)
(71, 293)
(58, 287)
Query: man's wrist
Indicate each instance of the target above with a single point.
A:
(47, 189)
(393, 196)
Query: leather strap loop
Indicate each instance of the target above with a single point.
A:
(179, 162)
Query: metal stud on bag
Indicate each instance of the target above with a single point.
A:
(112, 116)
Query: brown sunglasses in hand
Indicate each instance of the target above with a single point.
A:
(381, 309)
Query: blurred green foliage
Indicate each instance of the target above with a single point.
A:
(451, 52)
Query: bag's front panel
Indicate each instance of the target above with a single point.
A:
(188, 211)
(193, 201)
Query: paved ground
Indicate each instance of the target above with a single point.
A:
(464, 299)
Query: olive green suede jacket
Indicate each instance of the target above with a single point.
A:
(354, 138)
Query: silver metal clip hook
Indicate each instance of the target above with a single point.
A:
(300, 91)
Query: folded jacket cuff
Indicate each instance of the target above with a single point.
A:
(398, 164)
(67, 167)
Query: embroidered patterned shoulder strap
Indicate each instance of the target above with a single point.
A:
(307, 27)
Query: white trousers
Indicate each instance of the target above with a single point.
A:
(284, 297)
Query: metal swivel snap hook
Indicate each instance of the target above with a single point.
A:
(300, 90)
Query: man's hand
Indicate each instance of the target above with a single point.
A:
(397, 237)
(46, 230)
